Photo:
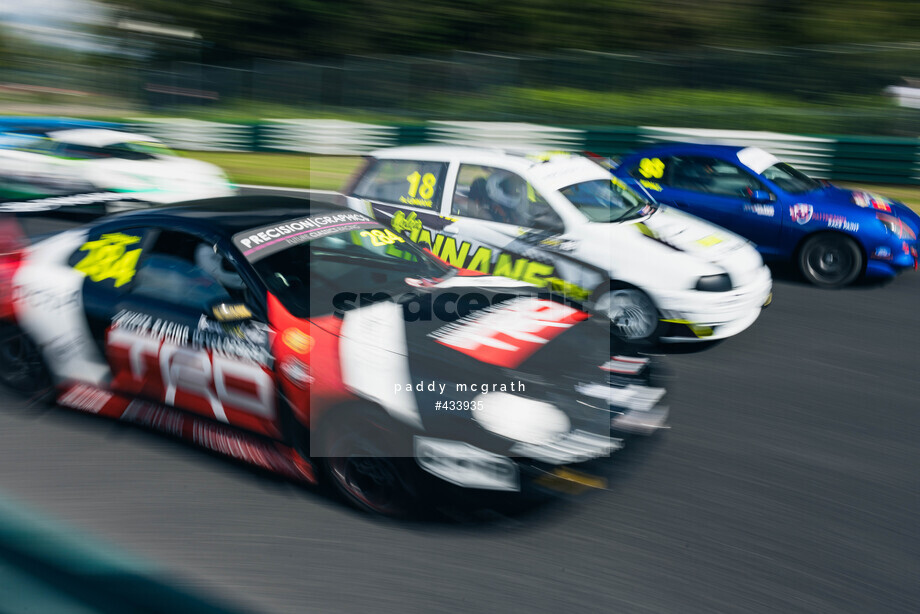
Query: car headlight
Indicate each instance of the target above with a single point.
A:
(519, 418)
(895, 226)
(714, 283)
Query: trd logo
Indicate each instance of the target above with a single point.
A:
(507, 334)
(194, 379)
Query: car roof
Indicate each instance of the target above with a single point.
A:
(755, 158)
(697, 148)
(97, 137)
(552, 167)
(229, 215)
(523, 157)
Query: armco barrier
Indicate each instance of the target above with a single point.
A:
(843, 158)
(876, 160)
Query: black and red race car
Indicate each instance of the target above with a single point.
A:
(311, 341)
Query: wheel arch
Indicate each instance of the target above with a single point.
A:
(797, 252)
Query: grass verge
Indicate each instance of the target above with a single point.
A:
(282, 169)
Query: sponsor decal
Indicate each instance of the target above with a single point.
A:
(297, 340)
(627, 365)
(709, 241)
(50, 299)
(883, 252)
(224, 440)
(837, 222)
(108, 257)
(486, 260)
(229, 312)
(85, 398)
(762, 210)
(801, 213)
(204, 368)
(559, 245)
(49, 204)
(508, 333)
(297, 371)
(243, 341)
(261, 242)
(651, 185)
(881, 206)
(867, 199)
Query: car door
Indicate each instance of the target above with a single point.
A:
(716, 190)
(183, 334)
(504, 226)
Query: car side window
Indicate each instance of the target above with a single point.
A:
(187, 271)
(83, 152)
(709, 176)
(497, 195)
(178, 282)
(404, 182)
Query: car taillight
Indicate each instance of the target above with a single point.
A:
(12, 242)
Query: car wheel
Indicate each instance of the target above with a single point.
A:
(22, 366)
(362, 466)
(830, 260)
(632, 314)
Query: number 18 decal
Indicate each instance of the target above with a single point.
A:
(421, 189)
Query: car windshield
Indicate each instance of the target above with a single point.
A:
(603, 200)
(309, 274)
(791, 180)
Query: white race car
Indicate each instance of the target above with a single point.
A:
(56, 162)
(561, 221)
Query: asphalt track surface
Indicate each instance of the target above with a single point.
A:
(788, 483)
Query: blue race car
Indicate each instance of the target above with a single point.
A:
(832, 234)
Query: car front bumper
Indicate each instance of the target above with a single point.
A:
(709, 316)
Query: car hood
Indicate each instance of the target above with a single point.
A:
(165, 179)
(668, 244)
(512, 340)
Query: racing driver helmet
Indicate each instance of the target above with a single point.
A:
(218, 267)
(506, 190)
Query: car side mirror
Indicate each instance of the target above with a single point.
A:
(760, 196)
(549, 223)
(554, 226)
(224, 311)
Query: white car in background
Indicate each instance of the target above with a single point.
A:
(561, 221)
(55, 162)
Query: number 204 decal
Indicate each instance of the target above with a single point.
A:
(382, 238)
(108, 257)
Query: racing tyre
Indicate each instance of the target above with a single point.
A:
(632, 313)
(830, 260)
(361, 464)
(22, 367)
